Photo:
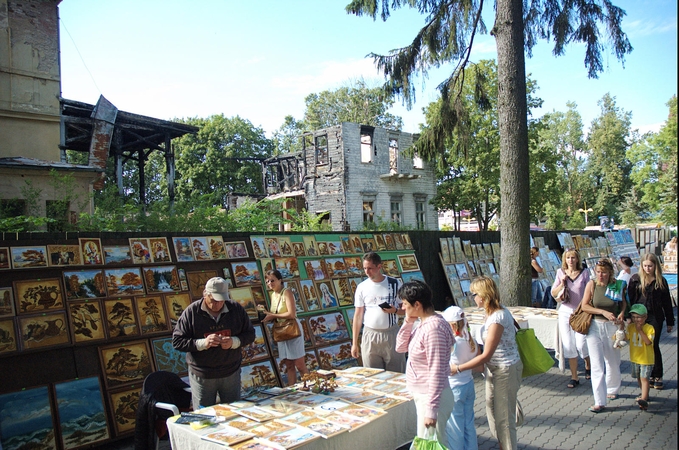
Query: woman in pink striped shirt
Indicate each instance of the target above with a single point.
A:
(428, 342)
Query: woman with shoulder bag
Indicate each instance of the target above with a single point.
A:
(283, 306)
(651, 289)
(605, 300)
(568, 290)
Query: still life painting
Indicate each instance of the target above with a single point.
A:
(40, 295)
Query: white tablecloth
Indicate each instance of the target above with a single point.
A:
(391, 431)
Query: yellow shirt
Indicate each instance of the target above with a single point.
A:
(639, 352)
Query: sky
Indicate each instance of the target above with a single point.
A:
(259, 59)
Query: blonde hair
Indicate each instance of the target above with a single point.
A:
(658, 271)
(486, 288)
(566, 254)
(459, 328)
(608, 265)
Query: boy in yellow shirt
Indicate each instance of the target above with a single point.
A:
(640, 336)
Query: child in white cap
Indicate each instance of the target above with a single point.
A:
(640, 335)
(460, 430)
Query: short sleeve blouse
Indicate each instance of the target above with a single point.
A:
(507, 352)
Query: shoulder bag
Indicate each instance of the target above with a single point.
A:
(535, 358)
(287, 329)
(580, 320)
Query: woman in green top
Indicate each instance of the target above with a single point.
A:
(604, 299)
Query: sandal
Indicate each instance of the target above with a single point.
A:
(657, 384)
(573, 383)
(597, 409)
(612, 396)
(588, 374)
(643, 404)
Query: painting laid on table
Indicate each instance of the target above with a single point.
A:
(151, 313)
(125, 363)
(182, 248)
(40, 295)
(243, 296)
(124, 282)
(6, 302)
(197, 281)
(84, 284)
(336, 357)
(29, 257)
(408, 263)
(91, 251)
(175, 305)
(310, 295)
(160, 251)
(123, 404)
(236, 250)
(121, 319)
(257, 376)
(82, 417)
(8, 337)
(310, 245)
(258, 349)
(87, 321)
(328, 328)
(161, 279)
(167, 358)
(117, 254)
(17, 431)
(246, 273)
(326, 294)
(4, 258)
(64, 255)
(288, 267)
(343, 290)
(43, 330)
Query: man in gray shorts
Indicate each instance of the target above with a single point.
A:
(377, 307)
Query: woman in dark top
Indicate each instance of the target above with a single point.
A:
(650, 288)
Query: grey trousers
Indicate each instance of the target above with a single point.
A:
(204, 390)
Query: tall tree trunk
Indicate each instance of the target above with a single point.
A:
(515, 276)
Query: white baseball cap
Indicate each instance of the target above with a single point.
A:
(217, 288)
(453, 314)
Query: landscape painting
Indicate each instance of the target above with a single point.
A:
(243, 296)
(117, 254)
(328, 328)
(343, 290)
(84, 284)
(82, 417)
(161, 279)
(64, 255)
(256, 377)
(151, 313)
(123, 404)
(42, 295)
(335, 267)
(120, 318)
(6, 302)
(246, 273)
(182, 248)
(288, 267)
(175, 305)
(408, 263)
(124, 282)
(258, 349)
(201, 249)
(310, 295)
(8, 337)
(336, 357)
(20, 433)
(87, 320)
(126, 363)
(29, 257)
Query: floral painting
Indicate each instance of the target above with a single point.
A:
(87, 320)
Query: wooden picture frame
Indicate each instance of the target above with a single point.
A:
(409, 276)
(259, 249)
(41, 295)
(335, 267)
(152, 315)
(9, 341)
(123, 404)
(298, 249)
(328, 328)
(336, 357)
(286, 247)
(200, 249)
(197, 282)
(121, 318)
(117, 254)
(243, 296)
(379, 243)
(161, 279)
(140, 250)
(408, 262)
(347, 247)
(258, 296)
(44, 330)
(257, 350)
(216, 246)
(273, 249)
(126, 363)
(322, 247)
(175, 304)
(33, 403)
(390, 268)
(7, 302)
(5, 259)
(246, 273)
(326, 294)
(86, 319)
(182, 248)
(160, 251)
(369, 244)
(87, 283)
(355, 243)
(310, 245)
(236, 250)
(75, 400)
(345, 296)
(315, 269)
(349, 314)
(354, 266)
(257, 376)
(293, 286)
(91, 251)
(334, 248)
(267, 264)
(63, 255)
(124, 282)
(288, 267)
(29, 257)
(310, 295)
(167, 358)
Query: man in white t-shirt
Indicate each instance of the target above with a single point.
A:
(377, 306)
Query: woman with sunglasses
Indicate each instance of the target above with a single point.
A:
(604, 299)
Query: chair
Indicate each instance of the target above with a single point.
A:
(163, 395)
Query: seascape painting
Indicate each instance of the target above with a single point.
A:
(82, 418)
(335, 267)
(288, 267)
(29, 257)
(246, 273)
(336, 357)
(328, 328)
(26, 420)
(167, 358)
(117, 254)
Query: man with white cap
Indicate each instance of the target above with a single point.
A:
(212, 331)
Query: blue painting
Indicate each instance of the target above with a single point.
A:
(81, 412)
(167, 358)
(26, 420)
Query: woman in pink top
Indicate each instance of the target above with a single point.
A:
(428, 343)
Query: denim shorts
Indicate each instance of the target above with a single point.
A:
(641, 370)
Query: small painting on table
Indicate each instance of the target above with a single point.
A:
(64, 255)
(91, 251)
(29, 257)
(19, 432)
(40, 295)
(76, 401)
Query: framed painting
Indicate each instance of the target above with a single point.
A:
(462, 270)
(409, 276)
(243, 296)
(44, 330)
(368, 244)
(19, 432)
(336, 357)
(161, 279)
(407, 243)
(354, 266)
(267, 264)
(258, 296)
(182, 248)
(87, 321)
(84, 284)
(349, 317)
(124, 282)
(398, 241)
(354, 282)
(117, 254)
(273, 249)
(379, 243)
(310, 245)
(335, 267)
(473, 272)
(41, 295)
(328, 328)
(29, 257)
(123, 404)
(259, 247)
(121, 320)
(258, 349)
(167, 358)
(389, 242)
(125, 363)
(160, 251)
(8, 337)
(257, 376)
(286, 246)
(326, 293)
(76, 401)
(322, 248)
(390, 268)
(4, 258)
(246, 273)
(356, 244)
(347, 247)
(236, 250)
(445, 251)
(315, 269)
(63, 255)
(151, 313)
(306, 332)
(310, 295)
(91, 251)
(298, 249)
(334, 248)
(216, 246)
(197, 282)
(345, 296)
(310, 361)
(6, 302)
(200, 249)
(175, 304)
(408, 263)
(183, 281)
(293, 286)
(289, 267)
(141, 251)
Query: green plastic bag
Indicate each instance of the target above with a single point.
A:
(535, 358)
(428, 442)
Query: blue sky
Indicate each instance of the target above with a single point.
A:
(259, 59)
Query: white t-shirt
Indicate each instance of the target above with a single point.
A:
(462, 353)
(507, 352)
(624, 276)
(371, 295)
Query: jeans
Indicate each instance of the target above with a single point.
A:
(460, 430)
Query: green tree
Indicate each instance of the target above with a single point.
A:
(288, 138)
